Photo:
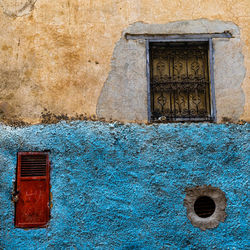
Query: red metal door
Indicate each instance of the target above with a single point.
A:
(32, 206)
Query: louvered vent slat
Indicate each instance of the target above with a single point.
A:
(33, 165)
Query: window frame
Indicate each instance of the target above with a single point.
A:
(180, 38)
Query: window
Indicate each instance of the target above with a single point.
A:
(32, 190)
(179, 81)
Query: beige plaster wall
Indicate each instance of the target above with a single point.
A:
(56, 55)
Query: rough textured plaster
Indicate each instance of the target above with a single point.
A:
(123, 186)
(17, 8)
(124, 95)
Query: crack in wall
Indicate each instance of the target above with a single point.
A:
(17, 8)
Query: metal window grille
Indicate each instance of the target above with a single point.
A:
(179, 82)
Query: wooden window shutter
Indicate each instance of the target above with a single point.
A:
(33, 190)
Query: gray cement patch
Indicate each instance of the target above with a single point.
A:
(124, 95)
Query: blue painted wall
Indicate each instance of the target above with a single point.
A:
(122, 186)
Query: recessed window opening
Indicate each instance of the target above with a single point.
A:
(204, 206)
(179, 81)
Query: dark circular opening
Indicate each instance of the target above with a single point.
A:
(204, 206)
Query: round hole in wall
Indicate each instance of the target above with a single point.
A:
(204, 206)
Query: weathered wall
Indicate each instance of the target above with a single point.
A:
(123, 186)
(56, 55)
